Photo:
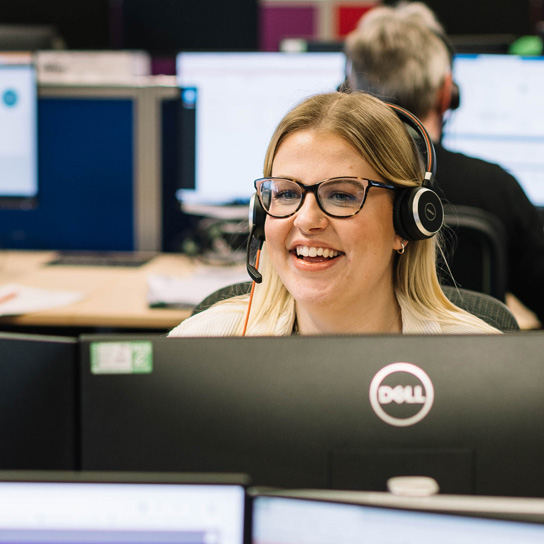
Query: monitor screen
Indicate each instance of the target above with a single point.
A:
(79, 508)
(18, 131)
(231, 104)
(284, 520)
(501, 118)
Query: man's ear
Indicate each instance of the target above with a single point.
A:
(444, 94)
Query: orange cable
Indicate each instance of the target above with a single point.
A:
(251, 294)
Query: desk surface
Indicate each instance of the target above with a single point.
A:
(116, 297)
(113, 296)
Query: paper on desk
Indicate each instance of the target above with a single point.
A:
(18, 299)
(188, 291)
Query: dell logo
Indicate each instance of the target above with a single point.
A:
(400, 394)
(406, 397)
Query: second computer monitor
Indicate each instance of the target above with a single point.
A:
(501, 118)
(18, 131)
(231, 104)
(373, 518)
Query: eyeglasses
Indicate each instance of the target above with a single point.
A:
(337, 197)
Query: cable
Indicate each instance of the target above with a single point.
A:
(251, 294)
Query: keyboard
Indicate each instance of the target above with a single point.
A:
(99, 258)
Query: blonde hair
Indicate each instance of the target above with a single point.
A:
(372, 128)
(399, 54)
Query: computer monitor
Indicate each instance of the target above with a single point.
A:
(501, 118)
(385, 519)
(18, 132)
(231, 104)
(94, 26)
(15, 37)
(481, 43)
(95, 157)
(173, 26)
(123, 508)
(38, 414)
(340, 412)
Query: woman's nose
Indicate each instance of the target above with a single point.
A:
(310, 216)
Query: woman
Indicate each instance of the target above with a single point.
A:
(332, 262)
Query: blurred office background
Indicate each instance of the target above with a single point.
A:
(109, 150)
(163, 27)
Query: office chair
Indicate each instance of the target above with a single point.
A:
(485, 307)
(475, 251)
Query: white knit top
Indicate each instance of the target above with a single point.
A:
(219, 321)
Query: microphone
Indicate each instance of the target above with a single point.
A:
(255, 275)
(257, 218)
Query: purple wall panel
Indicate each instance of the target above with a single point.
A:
(278, 22)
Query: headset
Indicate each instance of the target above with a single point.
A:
(455, 98)
(418, 213)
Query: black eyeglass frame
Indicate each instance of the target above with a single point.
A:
(314, 188)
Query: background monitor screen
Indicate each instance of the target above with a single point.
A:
(501, 118)
(80, 508)
(18, 130)
(285, 520)
(231, 104)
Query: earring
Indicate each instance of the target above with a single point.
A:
(401, 250)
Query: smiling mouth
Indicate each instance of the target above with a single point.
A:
(316, 253)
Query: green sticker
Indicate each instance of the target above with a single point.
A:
(121, 357)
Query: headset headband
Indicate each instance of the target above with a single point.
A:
(430, 154)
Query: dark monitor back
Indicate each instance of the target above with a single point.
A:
(171, 26)
(89, 27)
(29, 37)
(37, 402)
(485, 16)
(296, 411)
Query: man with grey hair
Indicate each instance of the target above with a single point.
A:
(402, 55)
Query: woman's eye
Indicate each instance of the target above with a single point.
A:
(286, 195)
(342, 198)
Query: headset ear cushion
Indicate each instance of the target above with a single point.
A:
(417, 213)
(257, 217)
(399, 205)
(455, 101)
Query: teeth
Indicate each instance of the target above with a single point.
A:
(306, 251)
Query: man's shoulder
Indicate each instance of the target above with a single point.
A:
(445, 157)
(457, 168)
